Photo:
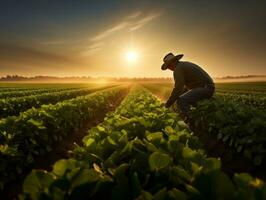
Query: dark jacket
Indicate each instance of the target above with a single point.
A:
(187, 75)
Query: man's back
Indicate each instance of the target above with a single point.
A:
(194, 76)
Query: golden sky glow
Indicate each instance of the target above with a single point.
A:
(127, 39)
(132, 56)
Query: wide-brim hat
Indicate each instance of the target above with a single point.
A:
(169, 58)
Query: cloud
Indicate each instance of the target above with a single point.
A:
(142, 22)
(134, 15)
(109, 31)
(96, 45)
(90, 51)
(60, 41)
(129, 21)
(55, 42)
(93, 48)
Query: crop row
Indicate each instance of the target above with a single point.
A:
(13, 89)
(245, 92)
(141, 151)
(255, 100)
(254, 87)
(15, 105)
(34, 132)
(5, 95)
(21, 89)
(16, 87)
(242, 127)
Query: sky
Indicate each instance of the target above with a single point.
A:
(130, 38)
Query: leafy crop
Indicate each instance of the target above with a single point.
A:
(251, 99)
(9, 94)
(242, 128)
(15, 105)
(141, 151)
(33, 132)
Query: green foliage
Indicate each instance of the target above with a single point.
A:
(32, 91)
(141, 151)
(236, 116)
(35, 131)
(241, 127)
(15, 105)
(158, 160)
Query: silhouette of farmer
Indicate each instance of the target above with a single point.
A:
(192, 83)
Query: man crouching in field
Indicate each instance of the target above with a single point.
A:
(192, 83)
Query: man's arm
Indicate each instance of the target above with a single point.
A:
(178, 88)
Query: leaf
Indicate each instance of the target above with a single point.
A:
(224, 186)
(188, 152)
(226, 137)
(63, 166)
(97, 168)
(145, 195)
(239, 148)
(85, 176)
(111, 141)
(212, 164)
(214, 185)
(150, 147)
(169, 130)
(242, 180)
(158, 160)
(161, 194)
(155, 138)
(89, 142)
(182, 124)
(182, 173)
(100, 128)
(36, 123)
(135, 185)
(177, 194)
(37, 181)
(121, 190)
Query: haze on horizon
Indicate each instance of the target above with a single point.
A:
(130, 38)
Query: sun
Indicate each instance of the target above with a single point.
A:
(132, 56)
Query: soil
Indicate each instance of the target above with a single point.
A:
(60, 151)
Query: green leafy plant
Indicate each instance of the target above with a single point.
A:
(35, 131)
(141, 151)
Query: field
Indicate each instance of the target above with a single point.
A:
(118, 141)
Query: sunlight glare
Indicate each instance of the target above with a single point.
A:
(132, 56)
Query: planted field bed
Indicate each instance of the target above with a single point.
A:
(141, 151)
(35, 132)
(9, 94)
(240, 127)
(15, 105)
(256, 100)
(251, 94)
(30, 86)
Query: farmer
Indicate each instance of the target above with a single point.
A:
(192, 83)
